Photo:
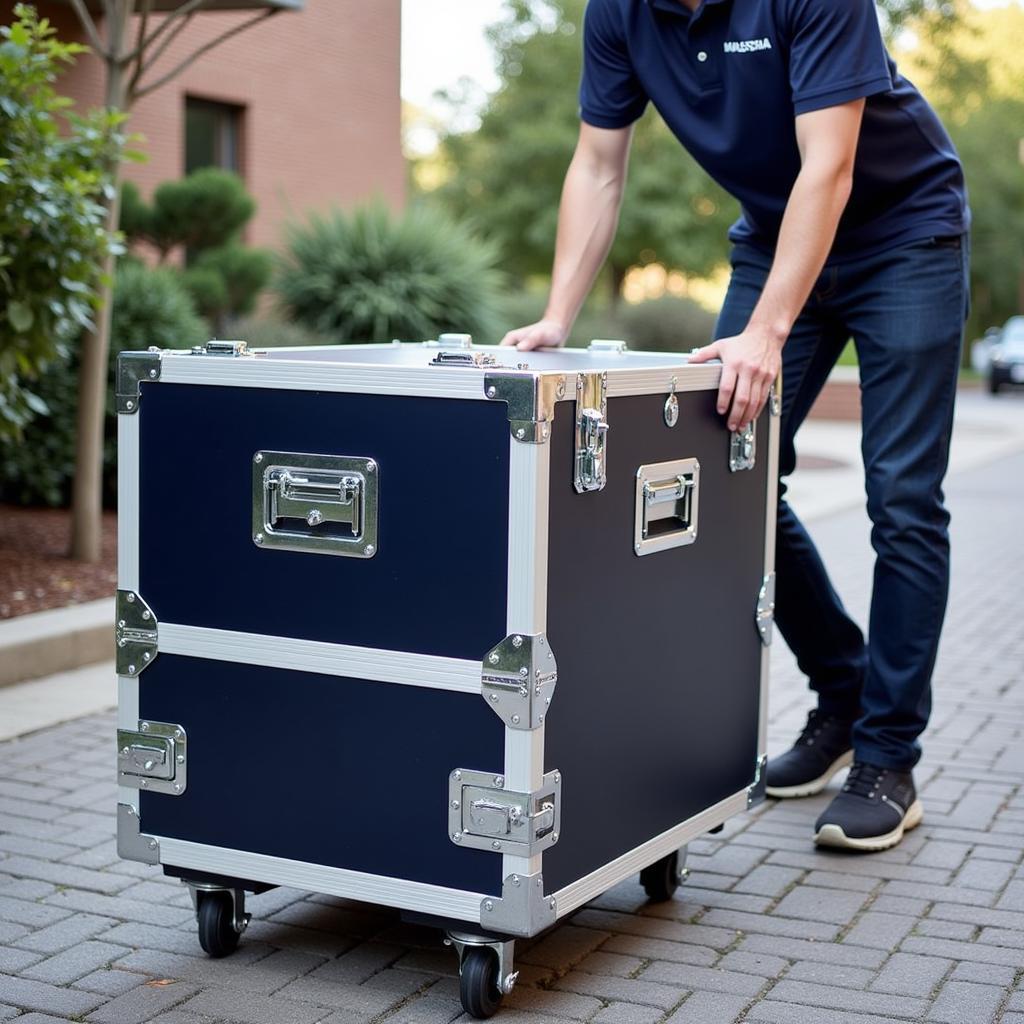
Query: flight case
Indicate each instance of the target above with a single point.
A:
(468, 632)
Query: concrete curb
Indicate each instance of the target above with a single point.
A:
(40, 644)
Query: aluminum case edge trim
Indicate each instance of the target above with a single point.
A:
(773, 411)
(406, 669)
(258, 867)
(604, 878)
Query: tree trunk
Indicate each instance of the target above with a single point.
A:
(87, 491)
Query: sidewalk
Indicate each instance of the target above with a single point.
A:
(766, 930)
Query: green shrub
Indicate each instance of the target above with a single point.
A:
(668, 324)
(270, 332)
(53, 178)
(204, 210)
(150, 308)
(226, 280)
(370, 276)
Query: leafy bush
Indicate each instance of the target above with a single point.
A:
(371, 276)
(204, 214)
(270, 332)
(150, 308)
(668, 324)
(226, 280)
(52, 219)
(204, 210)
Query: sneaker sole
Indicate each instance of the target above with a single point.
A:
(833, 835)
(815, 785)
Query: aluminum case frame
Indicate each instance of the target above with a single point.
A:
(369, 370)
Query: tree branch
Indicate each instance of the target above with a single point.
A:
(144, 65)
(192, 58)
(90, 28)
(184, 10)
(137, 50)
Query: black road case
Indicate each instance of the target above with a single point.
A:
(468, 632)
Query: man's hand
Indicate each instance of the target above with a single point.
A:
(750, 364)
(542, 334)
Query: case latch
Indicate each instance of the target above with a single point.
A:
(153, 757)
(743, 449)
(765, 618)
(483, 815)
(591, 432)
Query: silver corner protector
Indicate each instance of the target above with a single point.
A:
(765, 615)
(518, 680)
(132, 369)
(531, 399)
(522, 909)
(757, 790)
(131, 843)
(135, 634)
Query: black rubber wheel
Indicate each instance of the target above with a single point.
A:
(661, 879)
(217, 933)
(478, 983)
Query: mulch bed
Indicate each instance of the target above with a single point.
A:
(35, 572)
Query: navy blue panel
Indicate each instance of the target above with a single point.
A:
(325, 770)
(655, 714)
(437, 584)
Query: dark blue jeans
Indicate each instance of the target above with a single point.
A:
(905, 311)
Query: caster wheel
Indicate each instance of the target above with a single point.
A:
(661, 879)
(478, 983)
(217, 933)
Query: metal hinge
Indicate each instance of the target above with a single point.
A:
(483, 815)
(153, 757)
(132, 369)
(757, 790)
(765, 617)
(743, 449)
(531, 399)
(522, 908)
(135, 634)
(591, 432)
(222, 348)
(518, 680)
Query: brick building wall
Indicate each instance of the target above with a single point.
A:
(318, 92)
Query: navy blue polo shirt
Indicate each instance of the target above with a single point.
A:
(729, 80)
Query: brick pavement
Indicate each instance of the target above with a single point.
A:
(767, 930)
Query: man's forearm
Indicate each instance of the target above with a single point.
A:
(587, 218)
(808, 230)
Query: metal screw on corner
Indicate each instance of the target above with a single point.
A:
(517, 641)
(131, 598)
(258, 457)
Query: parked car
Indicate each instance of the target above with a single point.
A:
(1006, 357)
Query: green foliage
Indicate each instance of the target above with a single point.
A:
(668, 324)
(204, 210)
(53, 185)
(507, 175)
(204, 214)
(227, 280)
(371, 276)
(150, 308)
(996, 180)
(271, 332)
(136, 217)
